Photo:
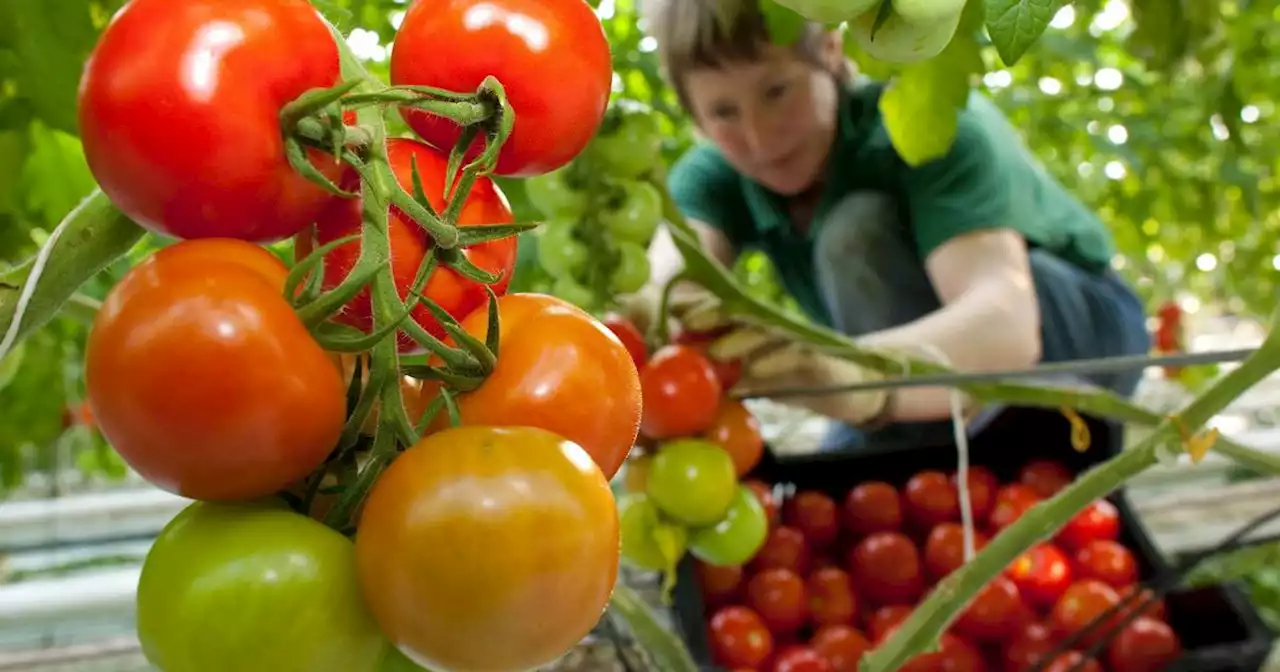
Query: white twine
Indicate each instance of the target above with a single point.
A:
(962, 454)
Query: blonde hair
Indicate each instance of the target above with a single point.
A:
(694, 34)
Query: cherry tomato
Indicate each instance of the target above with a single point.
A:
(261, 562)
(179, 111)
(873, 506)
(816, 515)
(1042, 574)
(693, 481)
(764, 493)
(541, 546)
(551, 57)
(832, 600)
(1046, 477)
(681, 393)
(1144, 645)
(1029, 645)
(841, 645)
(718, 584)
(801, 659)
(994, 613)
(1012, 501)
(884, 619)
(930, 499)
(785, 548)
(739, 638)
(204, 380)
(550, 364)
(633, 218)
(982, 492)
(1083, 603)
(628, 144)
(630, 335)
(737, 431)
(728, 372)
(778, 596)
(886, 568)
(458, 296)
(1108, 561)
(944, 549)
(953, 655)
(1073, 661)
(1147, 602)
(1099, 520)
(737, 536)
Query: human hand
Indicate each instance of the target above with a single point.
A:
(691, 307)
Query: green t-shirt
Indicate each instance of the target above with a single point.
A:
(988, 179)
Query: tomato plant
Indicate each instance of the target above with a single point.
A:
(1144, 645)
(548, 374)
(459, 296)
(289, 581)
(778, 596)
(551, 58)
(199, 153)
(737, 536)
(629, 142)
(1108, 561)
(816, 516)
(681, 393)
(739, 638)
(886, 567)
(832, 599)
(634, 217)
(693, 481)
(649, 541)
(872, 506)
(201, 376)
(531, 533)
(1098, 520)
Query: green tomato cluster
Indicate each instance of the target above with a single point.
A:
(601, 213)
(911, 30)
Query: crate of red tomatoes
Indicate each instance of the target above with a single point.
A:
(857, 539)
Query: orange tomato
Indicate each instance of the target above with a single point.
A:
(488, 548)
(558, 369)
(204, 380)
(737, 431)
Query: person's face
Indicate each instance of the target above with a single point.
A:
(774, 118)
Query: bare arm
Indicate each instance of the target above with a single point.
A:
(989, 320)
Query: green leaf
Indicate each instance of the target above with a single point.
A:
(784, 24)
(1015, 25)
(52, 40)
(920, 108)
(56, 177)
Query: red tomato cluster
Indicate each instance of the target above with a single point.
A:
(837, 575)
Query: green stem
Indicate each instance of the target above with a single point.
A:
(665, 649)
(919, 632)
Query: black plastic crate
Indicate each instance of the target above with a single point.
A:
(1219, 628)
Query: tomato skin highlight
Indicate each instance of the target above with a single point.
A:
(289, 581)
(204, 380)
(552, 360)
(458, 296)
(552, 59)
(179, 115)
(475, 533)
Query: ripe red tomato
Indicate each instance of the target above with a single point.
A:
(1042, 574)
(1147, 602)
(886, 568)
(816, 515)
(994, 614)
(778, 596)
(458, 296)
(681, 393)
(1144, 645)
(982, 492)
(630, 335)
(801, 659)
(1099, 520)
(179, 111)
(737, 431)
(1028, 646)
(739, 638)
(930, 499)
(1046, 477)
(1073, 661)
(872, 506)
(785, 548)
(551, 57)
(832, 600)
(953, 655)
(552, 358)
(1108, 561)
(719, 584)
(764, 493)
(944, 549)
(1012, 501)
(883, 620)
(204, 380)
(1083, 603)
(728, 372)
(842, 646)
(542, 545)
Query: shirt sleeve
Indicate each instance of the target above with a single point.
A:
(706, 188)
(960, 192)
